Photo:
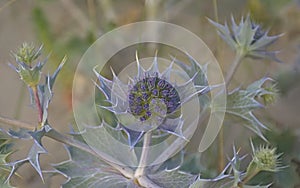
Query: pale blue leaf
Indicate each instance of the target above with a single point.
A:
(241, 104)
(33, 157)
(35, 151)
(54, 75)
(20, 133)
(110, 141)
(172, 179)
(84, 170)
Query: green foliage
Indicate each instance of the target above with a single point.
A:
(5, 152)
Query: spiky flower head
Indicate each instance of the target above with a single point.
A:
(264, 159)
(25, 57)
(247, 38)
(149, 102)
(27, 53)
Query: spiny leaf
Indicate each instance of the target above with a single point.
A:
(110, 141)
(86, 171)
(20, 133)
(4, 183)
(53, 77)
(242, 103)
(35, 151)
(27, 134)
(220, 183)
(225, 33)
(200, 72)
(33, 157)
(80, 163)
(101, 179)
(45, 91)
(230, 177)
(247, 38)
(172, 179)
(224, 180)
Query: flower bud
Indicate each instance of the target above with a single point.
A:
(25, 57)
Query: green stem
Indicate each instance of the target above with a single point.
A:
(140, 171)
(233, 68)
(92, 16)
(146, 182)
(249, 177)
(38, 104)
(221, 161)
(215, 4)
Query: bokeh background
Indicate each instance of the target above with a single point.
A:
(69, 27)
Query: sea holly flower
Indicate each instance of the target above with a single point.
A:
(150, 101)
(247, 38)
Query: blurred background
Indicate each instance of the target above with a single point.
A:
(69, 27)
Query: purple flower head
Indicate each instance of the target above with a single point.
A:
(157, 92)
(150, 102)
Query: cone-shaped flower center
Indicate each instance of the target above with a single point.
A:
(152, 97)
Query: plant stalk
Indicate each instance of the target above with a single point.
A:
(38, 105)
(140, 171)
(233, 68)
(249, 177)
(146, 182)
(221, 162)
(215, 4)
